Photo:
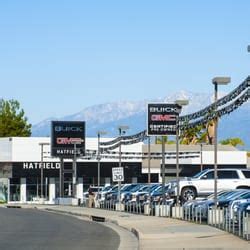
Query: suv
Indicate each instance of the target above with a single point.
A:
(202, 184)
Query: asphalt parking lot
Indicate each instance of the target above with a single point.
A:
(33, 229)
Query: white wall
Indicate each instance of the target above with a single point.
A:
(5, 149)
(21, 149)
(28, 149)
(224, 157)
(25, 149)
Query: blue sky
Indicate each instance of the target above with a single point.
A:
(58, 57)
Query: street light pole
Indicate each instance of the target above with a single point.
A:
(42, 144)
(149, 171)
(149, 161)
(76, 142)
(180, 103)
(74, 170)
(163, 169)
(217, 81)
(201, 145)
(99, 133)
(121, 129)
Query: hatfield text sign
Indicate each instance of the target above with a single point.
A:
(162, 118)
(64, 136)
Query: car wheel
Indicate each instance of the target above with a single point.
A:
(187, 194)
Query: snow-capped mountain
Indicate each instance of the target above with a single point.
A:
(109, 116)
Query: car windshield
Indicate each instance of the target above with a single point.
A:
(115, 188)
(135, 188)
(199, 174)
(128, 187)
(220, 194)
(231, 195)
(159, 189)
(144, 188)
(107, 188)
(154, 187)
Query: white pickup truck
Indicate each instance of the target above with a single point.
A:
(202, 184)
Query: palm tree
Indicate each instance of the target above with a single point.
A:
(158, 140)
(194, 135)
(233, 142)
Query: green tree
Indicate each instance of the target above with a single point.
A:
(233, 142)
(158, 140)
(194, 135)
(12, 119)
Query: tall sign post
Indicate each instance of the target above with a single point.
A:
(42, 144)
(67, 142)
(122, 130)
(161, 121)
(180, 103)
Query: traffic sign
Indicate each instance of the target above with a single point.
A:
(117, 174)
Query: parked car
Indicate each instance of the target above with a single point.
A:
(243, 210)
(157, 194)
(127, 195)
(101, 196)
(125, 188)
(142, 195)
(202, 184)
(223, 201)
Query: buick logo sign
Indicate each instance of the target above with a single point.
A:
(68, 129)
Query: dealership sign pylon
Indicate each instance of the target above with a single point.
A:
(162, 119)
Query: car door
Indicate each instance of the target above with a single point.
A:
(206, 183)
(227, 179)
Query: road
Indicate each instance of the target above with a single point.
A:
(29, 229)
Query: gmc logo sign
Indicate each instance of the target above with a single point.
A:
(68, 141)
(163, 117)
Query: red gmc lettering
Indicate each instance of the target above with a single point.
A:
(65, 140)
(163, 117)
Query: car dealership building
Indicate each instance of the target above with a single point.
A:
(22, 158)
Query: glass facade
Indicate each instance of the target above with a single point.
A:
(14, 189)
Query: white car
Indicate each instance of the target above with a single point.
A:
(202, 184)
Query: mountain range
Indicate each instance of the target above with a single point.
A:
(109, 116)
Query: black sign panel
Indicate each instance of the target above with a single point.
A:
(162, 118)
(64, 136)
(33, 169)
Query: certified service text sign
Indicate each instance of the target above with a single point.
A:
(162, 118)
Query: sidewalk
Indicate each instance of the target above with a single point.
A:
(159, 232)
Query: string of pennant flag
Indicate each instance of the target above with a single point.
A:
(223, 106)
(141, 155)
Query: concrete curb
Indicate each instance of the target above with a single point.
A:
(132, 230)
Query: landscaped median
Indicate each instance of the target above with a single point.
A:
(159, 232)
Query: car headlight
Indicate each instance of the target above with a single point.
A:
(235, 208)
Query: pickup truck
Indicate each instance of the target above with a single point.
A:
(202, 184)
